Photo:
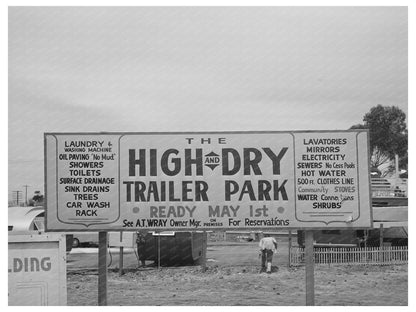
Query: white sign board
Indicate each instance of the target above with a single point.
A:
(37, 270)
(231, 180)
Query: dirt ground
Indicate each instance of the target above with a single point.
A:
(235, 283)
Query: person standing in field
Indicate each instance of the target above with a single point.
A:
(268, 246)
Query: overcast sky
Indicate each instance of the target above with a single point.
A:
(196, 69)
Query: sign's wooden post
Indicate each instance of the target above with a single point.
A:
(290, 248)
(381, 243)
(121, 257)
(158, 251)
(204, 251)
(120, 272)
(309, 267)
(102, 268)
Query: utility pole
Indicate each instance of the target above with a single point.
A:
(16, 194)
(26, 186)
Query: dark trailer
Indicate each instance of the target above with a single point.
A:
(170, 248)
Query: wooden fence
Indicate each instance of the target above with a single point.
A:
(386, 255)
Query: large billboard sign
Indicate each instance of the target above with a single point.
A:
(212, 180)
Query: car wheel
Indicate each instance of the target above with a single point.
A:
(75, 243)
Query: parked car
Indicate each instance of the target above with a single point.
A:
(84, 239)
